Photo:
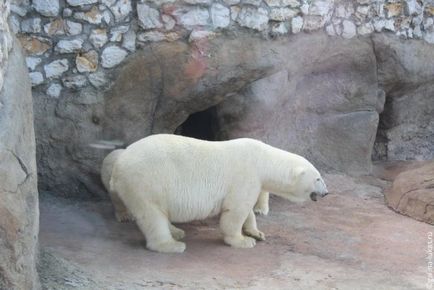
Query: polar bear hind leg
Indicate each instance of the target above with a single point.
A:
(157, 229)
(177, 234)
(250, 228)
(261, 206)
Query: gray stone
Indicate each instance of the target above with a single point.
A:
(98, 37)
(47, 7)
(255, 18)
(121, 10)
(74, 81)
(235, 10)
(54, 90)
(220, 16)
(365, 29)
(282, 14)
(160, 2)
(313, 22)
(98, 79)
(151, 36)
(200, 34)
(169, 22)
(112, 56)
(362, 11)
(198, 1)
(279, 28)
(69, 46)
(331, 30)
(320, 7)
(389, 24)
(14, 23)
(252, 2)
(32, 62)
(282, 3)
(80, 2)
(19, 209)
(232, 2)
(67, 12)
(148, 17)
(192, 17)
(36, 78)
(20, 10)
(297, 24)
(349, 29)
(107, 17)
(129, 40)
(56, 68)
(73, 28)
(117, 32)
(429, 37)
(304, 8)
(32, 25)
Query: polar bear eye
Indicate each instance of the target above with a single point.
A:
(317, 179)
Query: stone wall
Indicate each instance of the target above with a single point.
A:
(77, 49)
(19, 212)
(72, 45)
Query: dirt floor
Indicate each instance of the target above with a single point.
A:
(348, 240)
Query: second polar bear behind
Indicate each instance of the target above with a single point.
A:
(169, 178)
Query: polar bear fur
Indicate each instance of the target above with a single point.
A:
(168, 178)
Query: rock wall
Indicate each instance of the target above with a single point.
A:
(79, 52)
(19, 212)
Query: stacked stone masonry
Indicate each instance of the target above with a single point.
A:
(74, 43)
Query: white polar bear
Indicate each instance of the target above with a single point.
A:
(170, 178)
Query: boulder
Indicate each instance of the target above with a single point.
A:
(325, 108)
(406, 71)
(412, 193)
(19, 212)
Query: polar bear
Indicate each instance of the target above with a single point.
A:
(166, 178)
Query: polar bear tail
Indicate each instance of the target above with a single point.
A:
(107, 167)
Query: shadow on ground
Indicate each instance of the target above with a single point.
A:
(348, 240)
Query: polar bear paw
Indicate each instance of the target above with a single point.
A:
(258, 235)
(261, 209)
(123, 217)
(240, 242)
(168, 247)
(177, 234)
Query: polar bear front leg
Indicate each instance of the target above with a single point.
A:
(250, 228)
(155, 225)
(231, 222)
(261, 206)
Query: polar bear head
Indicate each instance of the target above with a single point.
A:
(307, 183)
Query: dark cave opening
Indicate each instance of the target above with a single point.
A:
(379, 152)
(201, 125)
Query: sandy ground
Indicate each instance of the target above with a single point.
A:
(348, 240)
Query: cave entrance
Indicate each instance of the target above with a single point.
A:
(379, 152)
(201, 125)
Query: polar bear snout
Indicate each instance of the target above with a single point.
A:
(314, 195)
